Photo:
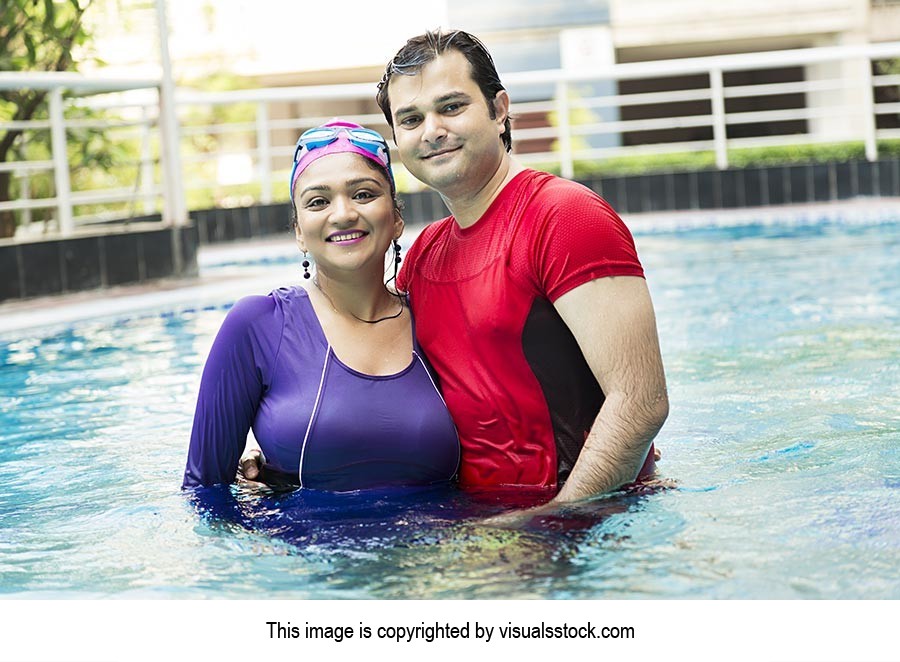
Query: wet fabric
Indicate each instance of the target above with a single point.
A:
(512, 374)
(333, 428)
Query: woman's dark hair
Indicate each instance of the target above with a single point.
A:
(421, 50)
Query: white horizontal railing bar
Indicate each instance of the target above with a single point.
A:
(43, 80)
(300, 124)
(532, 107)
(143, 99)
(536, 133)
(218, 129)
(99, 196)
(766, 89)
(883, 80)
(104, 124)
(882, 108)
(26, 125)
(786, 139)
(345, 91)
(680, 122)
(537, 157)
(205, 157)
(600, 153)
(206, 184)
(786, 114)
(683, 66)
(22, 166)
(703, 94)
(113, 195)
(40, 203)
(888, 133)
(643, 98)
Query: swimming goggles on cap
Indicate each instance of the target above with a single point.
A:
(369, 140)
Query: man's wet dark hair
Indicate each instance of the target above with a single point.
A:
(421, 50)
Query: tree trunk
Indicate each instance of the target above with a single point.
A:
(7, 218)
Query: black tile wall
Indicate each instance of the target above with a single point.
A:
(596, 185)
(243, 222)
(85, 263)
(10, 283)
(777, 186)
(845, 175)
(635, 195)
(123, 259)
(683, 191)
(798, 178)
(657, 194)
(81, 263)
(821, 183)
(753, 182)
(732, 188)
(42, 268)
(866, 177)
(709, 194)
(888, 184)
(157, 254)
(610, 188)
(190, 244)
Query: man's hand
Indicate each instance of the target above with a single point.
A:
(613, 321)
(576, 515)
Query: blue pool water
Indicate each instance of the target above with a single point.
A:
(782, 350)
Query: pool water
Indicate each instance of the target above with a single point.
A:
(782, 351)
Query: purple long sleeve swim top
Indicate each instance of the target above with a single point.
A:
(316, 419)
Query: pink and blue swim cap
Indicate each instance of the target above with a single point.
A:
(336, 137)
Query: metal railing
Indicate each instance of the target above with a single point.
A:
(235, 147)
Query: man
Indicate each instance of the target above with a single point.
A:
(529, 299)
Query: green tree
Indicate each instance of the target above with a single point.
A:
(35, 35)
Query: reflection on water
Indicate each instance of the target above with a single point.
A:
(782, 350)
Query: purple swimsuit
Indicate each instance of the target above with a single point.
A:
(317, 420)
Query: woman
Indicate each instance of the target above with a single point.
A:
(330, 378)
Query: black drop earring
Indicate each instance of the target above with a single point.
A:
(305, 265)
(397, 258)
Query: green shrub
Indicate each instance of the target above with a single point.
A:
(737, 158)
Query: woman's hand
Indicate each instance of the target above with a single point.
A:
(250, 466)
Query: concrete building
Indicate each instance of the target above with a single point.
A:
(547, 34)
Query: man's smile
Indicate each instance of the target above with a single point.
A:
(441, 152)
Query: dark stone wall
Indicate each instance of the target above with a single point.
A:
(749, 187)
(135, 254)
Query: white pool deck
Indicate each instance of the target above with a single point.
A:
(22, 318)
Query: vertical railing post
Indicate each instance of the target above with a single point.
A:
(868, 110)
(567, 167)
(263, 152)
(720, 135)
(25, 195)
(176, 212)
(149, 201)
(61, 163)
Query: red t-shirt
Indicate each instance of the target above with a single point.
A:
(518, 387)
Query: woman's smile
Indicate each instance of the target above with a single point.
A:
(346, 237)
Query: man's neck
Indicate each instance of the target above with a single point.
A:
(468, 208)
